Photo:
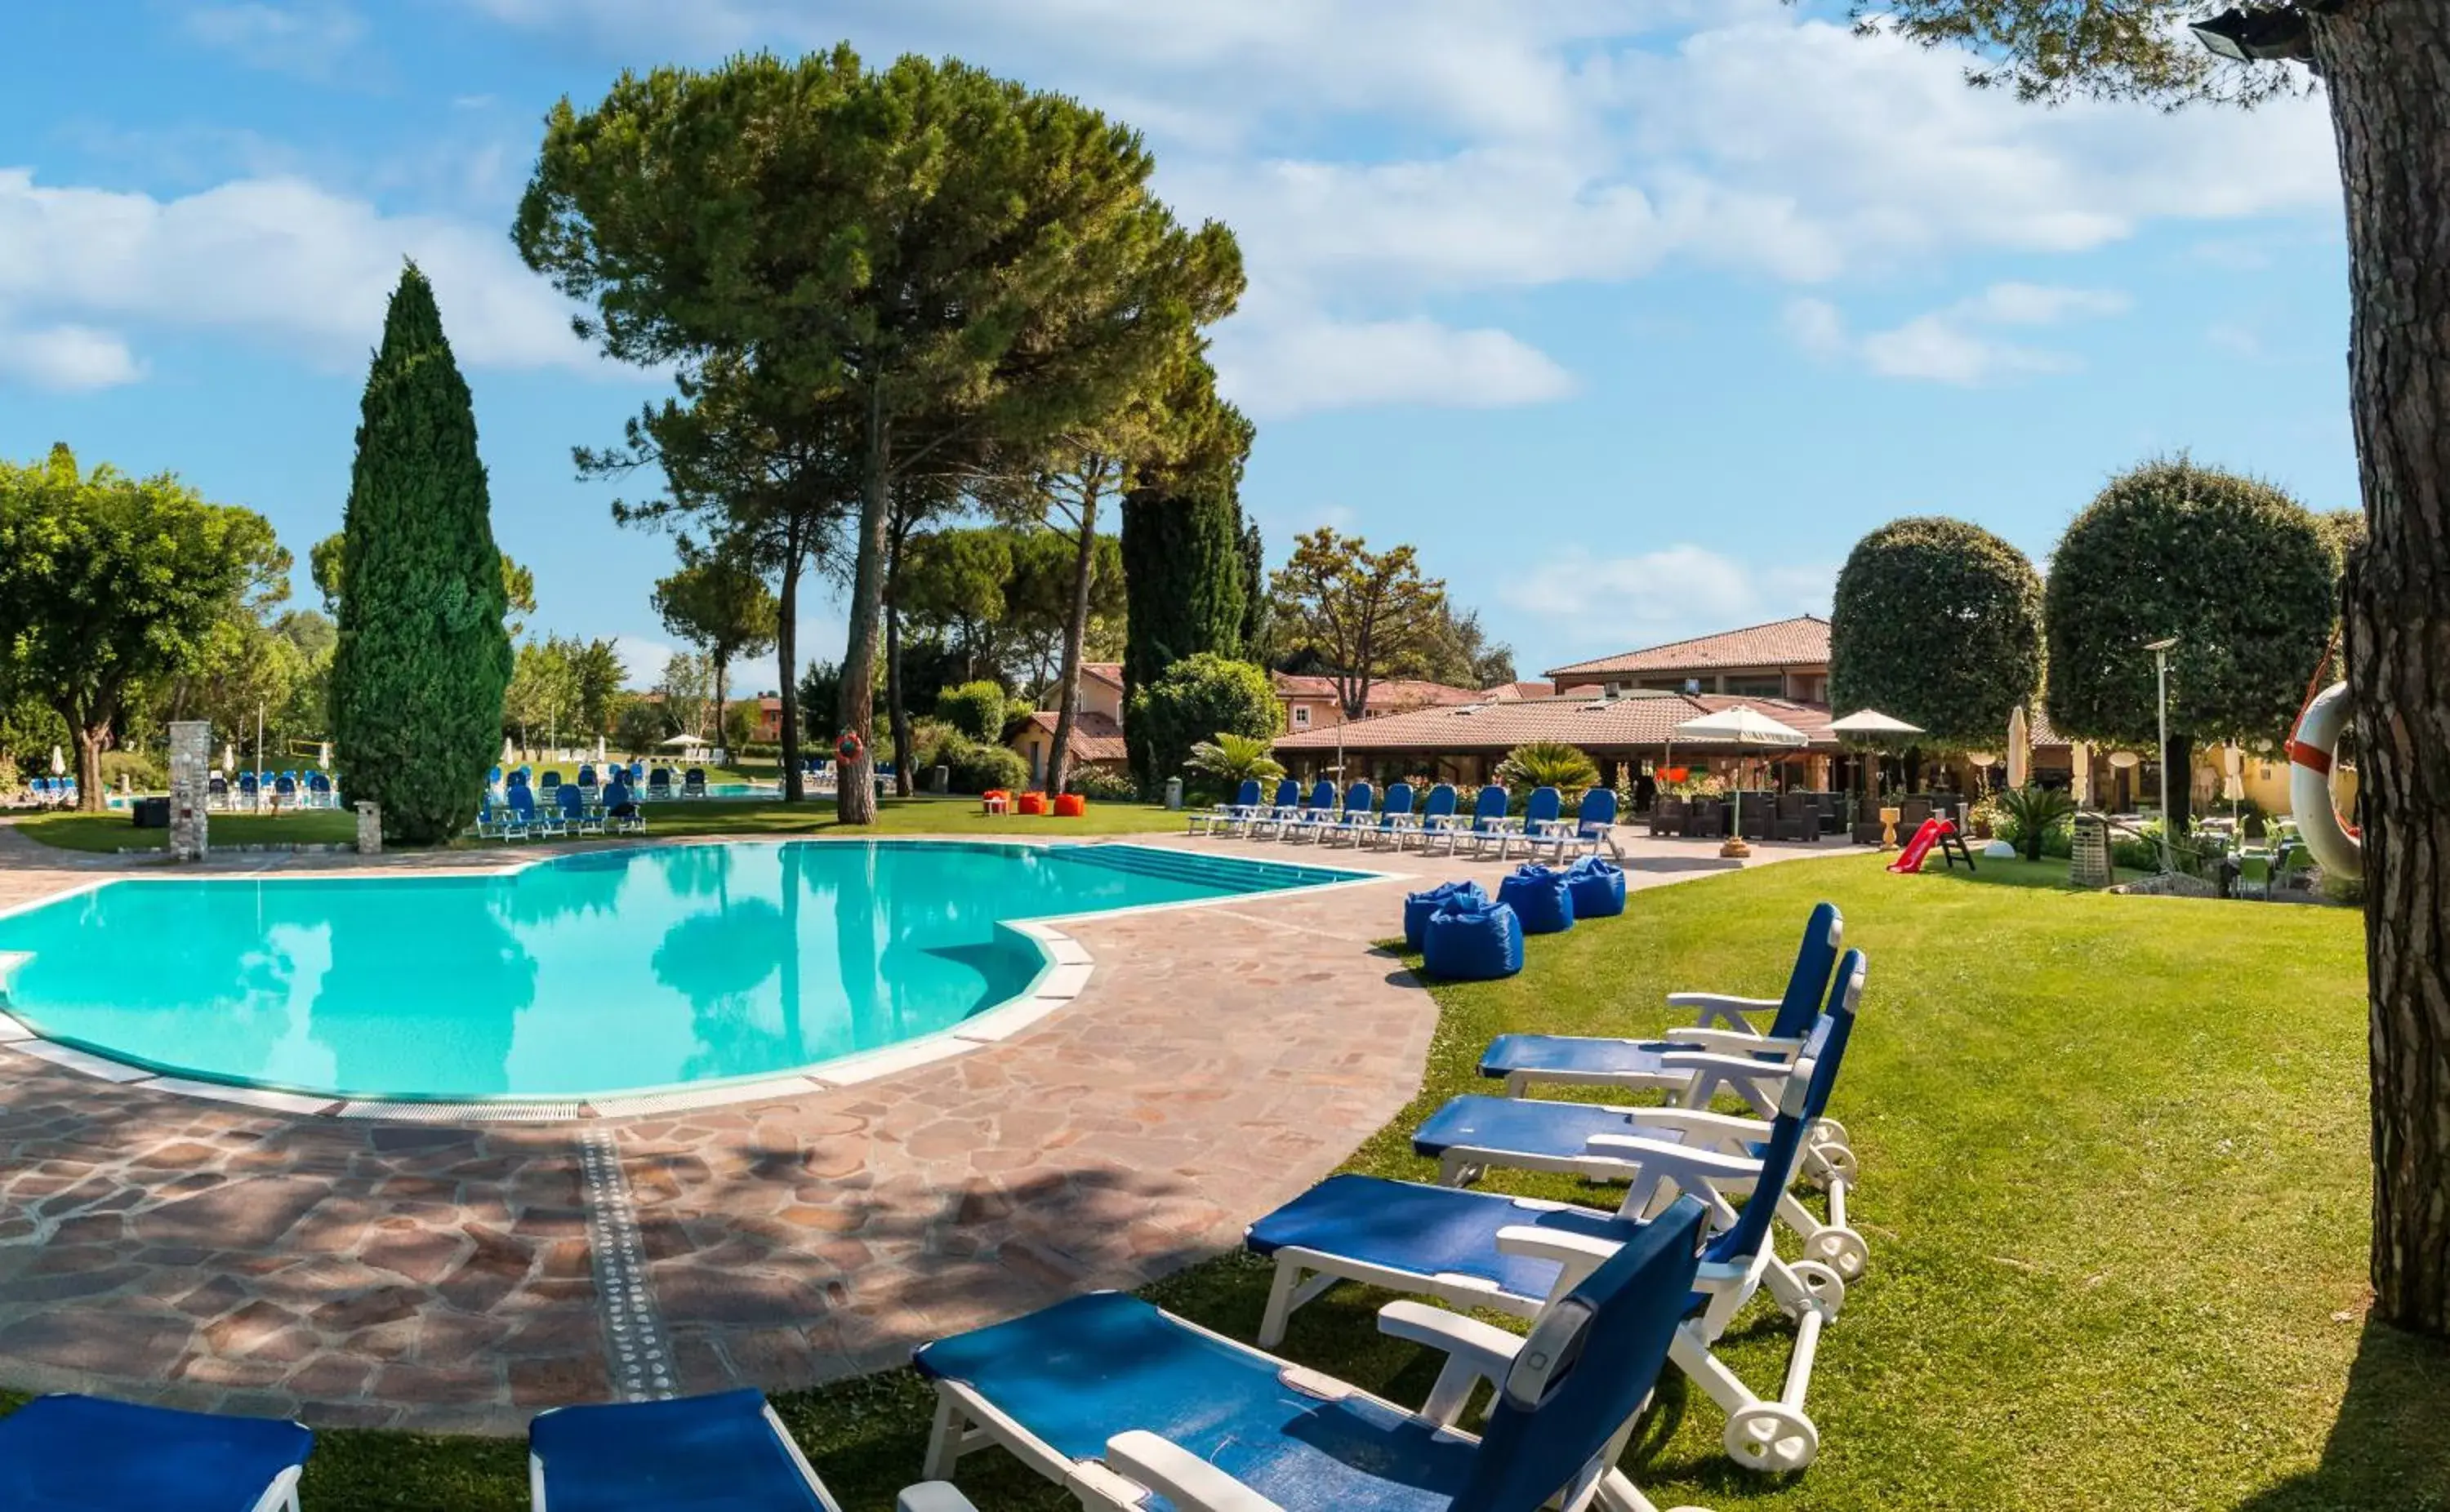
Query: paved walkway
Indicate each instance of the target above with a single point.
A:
(1219, 1061)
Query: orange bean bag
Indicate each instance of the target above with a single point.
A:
(1032, 803)
(1070, 806)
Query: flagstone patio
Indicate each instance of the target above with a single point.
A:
(190, 1251)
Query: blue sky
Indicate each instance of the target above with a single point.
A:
(1632, 314)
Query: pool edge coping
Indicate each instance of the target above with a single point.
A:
(1065, 974)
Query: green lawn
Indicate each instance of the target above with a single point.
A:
(907, 816)
(2114, 1157)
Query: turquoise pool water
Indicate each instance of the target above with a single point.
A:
(592, 973)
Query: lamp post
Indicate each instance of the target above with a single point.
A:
(2161, 651)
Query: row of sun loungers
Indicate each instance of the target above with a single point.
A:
(1436, 827)
(1119, 1403)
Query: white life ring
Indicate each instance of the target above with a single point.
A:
(2337, 847)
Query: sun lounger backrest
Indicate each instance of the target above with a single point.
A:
(1544, 805)
(522, 800)
(1597, 810)
(1322, 795)
(616, 793)
(1399, 800)
(1246, 796)
(1803, 1098)
(1489, 806)
(1808, 983)
(1287, 793)
(573, 802)
(1441, 804)
(1357, 798)
(1590, 1363)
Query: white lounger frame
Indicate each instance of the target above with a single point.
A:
(1771, 1434)
(1138, 1462)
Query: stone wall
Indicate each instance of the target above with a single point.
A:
(191, 756)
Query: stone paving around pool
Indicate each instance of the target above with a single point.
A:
(1220, 1061)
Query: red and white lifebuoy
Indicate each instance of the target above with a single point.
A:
(2333, 841)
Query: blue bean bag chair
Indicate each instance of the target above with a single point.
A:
(1540, 897)
(1598, 887)
(1473, 942)
(1419, 906)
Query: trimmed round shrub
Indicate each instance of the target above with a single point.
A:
(975, 766)
(1597, 886)
(1472, 942)
(1419, 906)
(1541, 897)
(976, 709)
(1199, 698)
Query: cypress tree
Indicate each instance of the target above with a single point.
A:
(423, 660)
(1184, 589)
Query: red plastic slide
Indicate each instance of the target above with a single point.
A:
(1911, 859)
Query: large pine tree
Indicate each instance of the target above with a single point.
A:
(423, 660)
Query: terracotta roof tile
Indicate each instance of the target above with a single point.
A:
(1642, 719)
(1800, 641)
(1094, 738)
(1386, 694)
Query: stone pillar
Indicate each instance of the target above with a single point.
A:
(370, 829)
(192, 755)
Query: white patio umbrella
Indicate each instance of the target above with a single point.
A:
(323, 756)
(1870, 724)
(1740, 727)
(59, 762)
(2020, 750)
(599, 750)
(688, 742)
(507, 756)
(229, 757)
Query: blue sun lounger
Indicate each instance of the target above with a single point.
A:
(1279, 810)
(1354, 818)
(1473, 1248)
(577, 818)
(1437, 812)
(1573, 1060)
(1316, 811)
(84, 1454)
(1219, 819)
(1539, 810)
(1121, 1404)
(622, 814)
(1486, 826)
(1395, 820)
(526, 818)
(1592, 826)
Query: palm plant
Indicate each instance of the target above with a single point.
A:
(1549, 763)
(2035, 811)
(1233, 760)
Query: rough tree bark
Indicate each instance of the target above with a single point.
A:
(854, 785)
(786, 614)
(1076, 634)
(2387, 67)
(897, 709)
(92, 739)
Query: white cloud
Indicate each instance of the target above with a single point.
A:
(642, 659)
(71, 358)
(1673, 589)
(1284, 368)
(306, 39)
(275, 257)
(1956, 344)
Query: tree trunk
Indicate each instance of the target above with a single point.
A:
(1084, 571)
(2178, 770)
(787, 649)
(854, 789)
(2387, 68)
(90, 740)
(722, 699)
(896, 713)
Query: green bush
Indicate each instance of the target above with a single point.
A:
(1200, 698)
(1101, 785)
(976, 709)
(976, 766)
(144, 773)
(2035, 812)
(1549, 763)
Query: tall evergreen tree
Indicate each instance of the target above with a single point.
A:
(423, 660)
(1182, 586)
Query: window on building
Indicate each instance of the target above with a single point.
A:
(1755, 685)
(1301, 716)
(1665, 684)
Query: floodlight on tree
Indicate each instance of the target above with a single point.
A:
(2262, 33)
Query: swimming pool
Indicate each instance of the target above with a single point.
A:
(613, 970)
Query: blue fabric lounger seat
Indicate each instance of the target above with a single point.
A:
(1129, 1408)
(1525, 1061)
(726, 1452)
(1538, 1131)
(84, 1454)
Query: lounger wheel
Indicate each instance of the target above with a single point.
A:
(1824, 1287)
(1840, 1249)
(1771, 1438)
(1827, 1131)
(1827, 1164)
